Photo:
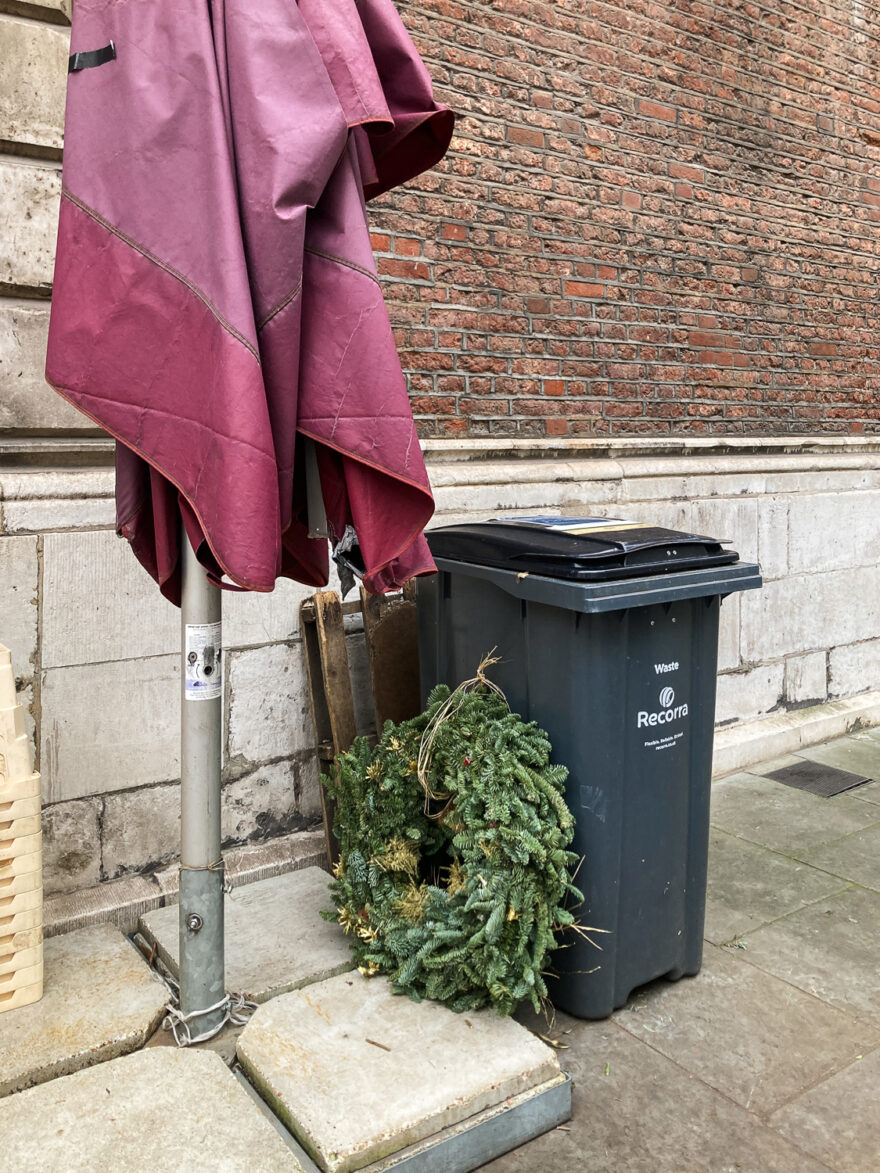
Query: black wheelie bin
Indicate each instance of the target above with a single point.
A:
(607, 632)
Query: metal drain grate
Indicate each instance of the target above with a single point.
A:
(817, 778)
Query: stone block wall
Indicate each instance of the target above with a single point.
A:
(95, 645)
(34, 41)
(96, 650)
(808, 514)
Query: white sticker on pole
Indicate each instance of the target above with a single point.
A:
(204, 673)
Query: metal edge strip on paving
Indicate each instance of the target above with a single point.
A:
(462, 1147)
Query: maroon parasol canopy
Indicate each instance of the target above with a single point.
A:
(216, 304)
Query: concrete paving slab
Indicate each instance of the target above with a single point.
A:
(471, 1143)
(749, 886)
(855, 857)
(782, 818)
(461, 1147)
(839, 1120)
(828, 949)
(162, 1110)
(357, 1073)
(857, 754)
(744, 1032)
(635, 1111)
(276, 940)
(869, 793)
(870, 739)
(101, 1000)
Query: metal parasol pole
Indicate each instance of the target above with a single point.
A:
(202, 978)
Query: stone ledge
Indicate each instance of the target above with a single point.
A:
(566, 448)
(518, 451)
(470, 477)
(741, 746)
(122, 902)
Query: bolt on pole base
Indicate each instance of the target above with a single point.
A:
(202, 974)
(202, 978)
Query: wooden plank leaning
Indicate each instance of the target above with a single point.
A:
(329, 689)
(391, 638)
(390, 628)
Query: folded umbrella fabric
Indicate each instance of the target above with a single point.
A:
(216, 306)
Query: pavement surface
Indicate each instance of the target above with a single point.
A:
(100, 1000)
(157, 1110)
(767, 1060)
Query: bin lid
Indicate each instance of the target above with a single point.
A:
(584, 549)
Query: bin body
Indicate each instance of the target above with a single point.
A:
(621, 675)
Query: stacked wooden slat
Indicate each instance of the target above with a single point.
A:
(21, 872)
(391, 636)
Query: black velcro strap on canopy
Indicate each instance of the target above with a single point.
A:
(92, 58)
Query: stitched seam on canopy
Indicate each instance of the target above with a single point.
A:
(147, 408)
(276, 309)
(145, 252)
(317, 252)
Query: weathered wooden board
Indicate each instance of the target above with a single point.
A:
(392, 652)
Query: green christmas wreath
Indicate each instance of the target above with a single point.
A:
(453, 871)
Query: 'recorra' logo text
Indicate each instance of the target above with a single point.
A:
(668, 711)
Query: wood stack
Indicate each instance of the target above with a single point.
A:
(391, 637)
(21, 873)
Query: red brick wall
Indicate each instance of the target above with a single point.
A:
(654, 218)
